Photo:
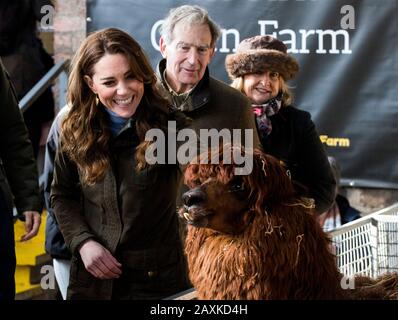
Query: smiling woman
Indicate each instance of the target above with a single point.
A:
(259, 69)
(124, 243)
(116, 87)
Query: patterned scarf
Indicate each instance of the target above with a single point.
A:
(264, 111)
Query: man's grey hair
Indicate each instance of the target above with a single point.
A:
(191, 15)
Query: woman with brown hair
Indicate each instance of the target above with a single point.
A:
(260, 69)
(116, 212)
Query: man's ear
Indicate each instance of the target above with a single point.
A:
(162, 46)
(90, 83)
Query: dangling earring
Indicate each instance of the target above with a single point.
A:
(96, 99)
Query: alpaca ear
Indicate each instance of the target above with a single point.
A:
(270, 181)
(258, 186)
(280, 184)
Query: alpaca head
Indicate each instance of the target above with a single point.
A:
(251, 236)
(219, 199)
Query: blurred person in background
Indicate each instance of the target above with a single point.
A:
(54, 241)
(26, 60)
(18, 184)
(341, 211)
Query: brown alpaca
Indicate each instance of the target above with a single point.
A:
(250, 237)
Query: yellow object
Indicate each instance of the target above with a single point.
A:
(26, 253)
(22, 279)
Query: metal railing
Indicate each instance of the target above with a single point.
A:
(59, 70)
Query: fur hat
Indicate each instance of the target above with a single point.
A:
(260, 53)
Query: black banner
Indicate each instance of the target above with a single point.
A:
(348, 55)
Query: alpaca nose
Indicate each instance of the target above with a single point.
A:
(194, 196)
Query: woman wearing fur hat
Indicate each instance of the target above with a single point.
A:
(260, 69)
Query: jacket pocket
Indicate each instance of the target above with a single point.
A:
(146, 177)
(79, 276)
(154, 273)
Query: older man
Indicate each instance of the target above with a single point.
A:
(187, 43)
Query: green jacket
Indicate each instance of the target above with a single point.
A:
(18, 170)
(215, 105)
(132, 214)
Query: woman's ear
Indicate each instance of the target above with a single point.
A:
(90, 83)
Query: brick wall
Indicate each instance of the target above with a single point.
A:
(69, 27)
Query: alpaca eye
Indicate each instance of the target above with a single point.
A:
(237, 186)
(196, 182)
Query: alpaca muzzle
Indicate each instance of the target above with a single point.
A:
(195, 215)
(193, 197)
(194, 211)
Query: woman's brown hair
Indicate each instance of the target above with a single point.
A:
(81, 140)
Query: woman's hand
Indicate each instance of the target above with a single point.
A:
(99, 261)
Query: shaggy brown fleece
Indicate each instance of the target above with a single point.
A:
(250, 237)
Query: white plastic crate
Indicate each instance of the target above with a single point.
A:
(368, 246)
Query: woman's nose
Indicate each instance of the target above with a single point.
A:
(122, 88)
(265, 81)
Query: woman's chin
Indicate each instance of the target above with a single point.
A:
(124, 111)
